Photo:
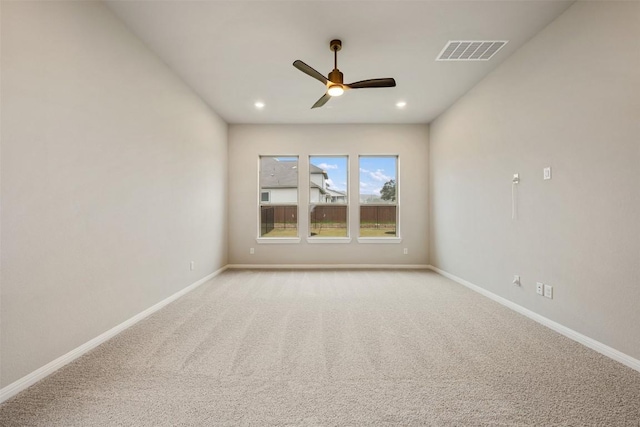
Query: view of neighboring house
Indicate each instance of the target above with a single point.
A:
(279, 183)
(336, 196)
(320, 191)
(278, 180)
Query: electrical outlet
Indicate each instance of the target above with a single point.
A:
(516, 280)
(406, 251)
(548, 291)
(252, 251)
(539, 288)
(192, 265)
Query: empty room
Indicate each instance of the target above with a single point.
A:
(319, 213)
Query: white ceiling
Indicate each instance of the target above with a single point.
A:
(234, 53)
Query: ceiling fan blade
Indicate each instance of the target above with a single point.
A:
(310, 71)
(323, 100)
(388, 82)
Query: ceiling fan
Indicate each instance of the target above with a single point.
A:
(335, 85)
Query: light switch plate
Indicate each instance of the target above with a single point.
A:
(546, 172)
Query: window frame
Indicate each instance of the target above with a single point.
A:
(384, 240)
(277, 240)
(346, 204)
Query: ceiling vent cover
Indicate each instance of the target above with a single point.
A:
(470, 50)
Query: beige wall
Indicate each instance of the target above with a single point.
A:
(248, 142)
(113, 180)
(569, 99)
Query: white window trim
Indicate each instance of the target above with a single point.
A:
(277, 240)
(379, 239)
(333, 240)
(396, 239)
(310, 205)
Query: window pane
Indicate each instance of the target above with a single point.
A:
(328, 196)
(378, 221)
(328, 221)
(378, 198)
(278, 196)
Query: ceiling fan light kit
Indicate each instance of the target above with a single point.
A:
(335, 83)
(335, 90)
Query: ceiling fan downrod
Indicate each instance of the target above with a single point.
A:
(335, 76)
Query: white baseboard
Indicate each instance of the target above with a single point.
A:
(561, 329)
(39, 374)
(328, 266)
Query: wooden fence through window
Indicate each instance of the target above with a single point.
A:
(329, 215)
(278, 217)
(376, 216)
(380, 216)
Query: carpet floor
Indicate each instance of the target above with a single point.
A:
(333, 348)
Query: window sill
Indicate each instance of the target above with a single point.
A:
(328, 240)
(277, 240)
(379, 239)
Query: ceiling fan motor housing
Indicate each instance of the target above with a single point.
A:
(336, 76)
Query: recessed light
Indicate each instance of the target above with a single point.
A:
(401, 104)
(259, 105)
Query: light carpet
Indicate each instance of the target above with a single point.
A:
(333, 348)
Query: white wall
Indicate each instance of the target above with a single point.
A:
(113, 180)
(248, 142)
(569, 99)
(282, 195)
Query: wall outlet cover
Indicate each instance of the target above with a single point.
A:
(548, 291)
(539, 288)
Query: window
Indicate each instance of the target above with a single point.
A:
(328, 197)
(378, 196)
(278, 196)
